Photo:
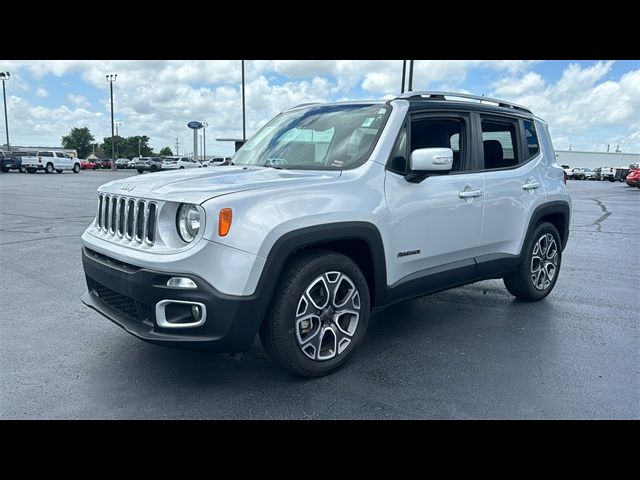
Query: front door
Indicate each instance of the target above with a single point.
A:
(434, 225)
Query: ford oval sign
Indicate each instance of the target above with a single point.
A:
(195, 125)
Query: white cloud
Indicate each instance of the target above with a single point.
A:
(79, 100)
(583, 107)
(42, 93)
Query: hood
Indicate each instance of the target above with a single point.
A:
(200, 185)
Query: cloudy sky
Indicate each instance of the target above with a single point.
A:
(588, 104)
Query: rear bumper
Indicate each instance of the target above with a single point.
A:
(127, 296)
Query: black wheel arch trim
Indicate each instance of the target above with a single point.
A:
(307, 237)
(549, 208)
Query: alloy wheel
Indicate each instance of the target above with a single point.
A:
(327, 316)
(544, 261)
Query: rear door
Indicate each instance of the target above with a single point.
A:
(510, 161)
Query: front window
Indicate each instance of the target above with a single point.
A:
(326, 138)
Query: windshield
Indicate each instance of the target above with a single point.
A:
(327, 138)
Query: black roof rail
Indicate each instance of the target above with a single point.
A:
(442, 96)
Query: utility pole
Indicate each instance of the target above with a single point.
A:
(404, 74)
(177, 146)
(112, 78)
(244, 125)
(4, 76)
(410, 89)
(139, 143)
(118, 124)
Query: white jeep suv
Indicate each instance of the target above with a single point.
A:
(328, 213)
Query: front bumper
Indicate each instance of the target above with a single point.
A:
(127, 295)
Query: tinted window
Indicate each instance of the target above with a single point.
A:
(532, 138)
(500, 145)
(439, 133)
(45, 154)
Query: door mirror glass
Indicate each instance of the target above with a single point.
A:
(431, 160)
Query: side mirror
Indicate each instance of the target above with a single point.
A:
(429, 161)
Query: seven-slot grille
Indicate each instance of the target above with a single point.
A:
(131, 218)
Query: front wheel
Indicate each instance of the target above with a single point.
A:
(21, 169)
(4, 170)
(140, 170)
(58, 170)
(319, 314)
(31, 170)
(538, 272)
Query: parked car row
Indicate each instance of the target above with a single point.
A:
(602, 173)
(155, 164)
(95, 164)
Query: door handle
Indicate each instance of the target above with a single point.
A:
(470, 194)
(531, 186)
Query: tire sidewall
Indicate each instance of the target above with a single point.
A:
(540, 230)
(48, 168)
(314, 268)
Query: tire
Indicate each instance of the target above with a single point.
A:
(313, 271)
(521, 283)
(95, 167)
(612, 179)
(153, 168)
(76, 168)
(58, 171)
(21, 169)
(4, 170)
(181, 168)
(31, 170)
(140, 170)
(48, 168)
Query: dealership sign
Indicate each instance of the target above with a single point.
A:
(195, 125)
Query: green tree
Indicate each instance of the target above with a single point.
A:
(166, 152)
(128, 147)
(79, 139)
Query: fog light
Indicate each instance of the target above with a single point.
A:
(181, 282)
(196, 312)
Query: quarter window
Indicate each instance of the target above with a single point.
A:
(532, 138)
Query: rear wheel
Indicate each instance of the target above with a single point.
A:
(21, 169)
(538, 272)
(319, 314)
(4, 170)
(48, 168)
(140, 170)
(31, 170)
(153, 168)
(58, 170)
(76, 168)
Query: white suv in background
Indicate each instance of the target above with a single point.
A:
(328, 213)
(177, 163)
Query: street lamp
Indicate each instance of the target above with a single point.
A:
(244, 126)
(4, 76)
(204, 140)
(112, 78)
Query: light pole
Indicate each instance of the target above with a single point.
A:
(404, 74)
(410, 89)
(204, 140)
(201, 144)
(139, 142)
(112, 78)
(4, 76)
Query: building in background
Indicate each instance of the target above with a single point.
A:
(593, 160)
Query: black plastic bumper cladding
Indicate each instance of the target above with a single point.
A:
(127, 295)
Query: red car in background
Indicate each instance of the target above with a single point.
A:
(633, 177)
(87, 165)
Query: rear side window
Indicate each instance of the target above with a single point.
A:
(499, 143)
(45, 154)
(532, 139)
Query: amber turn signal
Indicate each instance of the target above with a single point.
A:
(224, 221)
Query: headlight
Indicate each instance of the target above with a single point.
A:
(188, 222)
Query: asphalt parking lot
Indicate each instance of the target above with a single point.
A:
(472, 352)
